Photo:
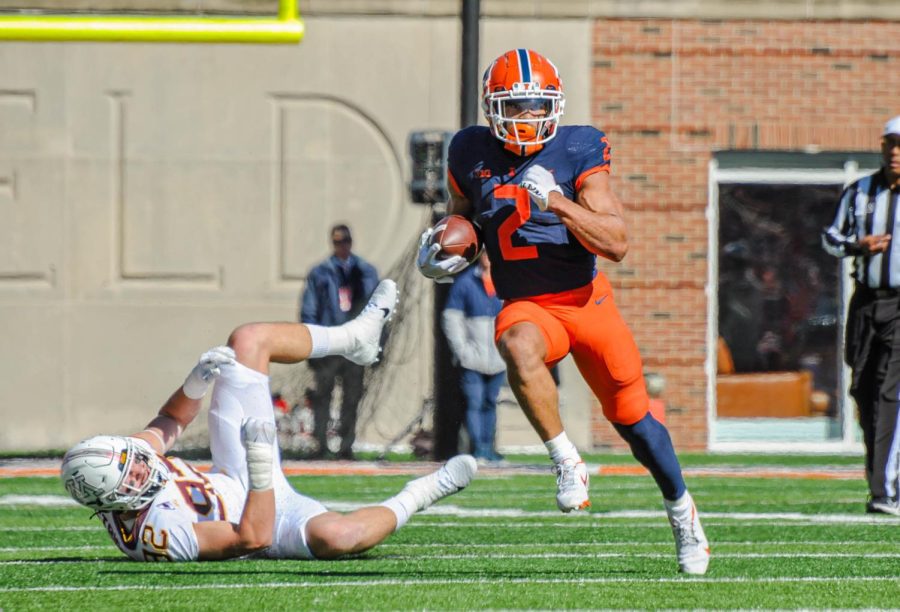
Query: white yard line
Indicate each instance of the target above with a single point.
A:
(666, 544)
(326, 584)
(660, 524)
(37, 500)
(16, 549)
(60, 528)
(513, 556)
(572, 520)
(56, 562)
(619, 555)
(458, 511)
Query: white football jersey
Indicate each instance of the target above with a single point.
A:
(164, 530)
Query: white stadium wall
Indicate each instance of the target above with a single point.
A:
(154, 196)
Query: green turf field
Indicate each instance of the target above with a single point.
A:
(777, 543)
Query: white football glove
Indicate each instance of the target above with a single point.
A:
(258, 438)
(539, 183)
(439, 270)
(201, 377)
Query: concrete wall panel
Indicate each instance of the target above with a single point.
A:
(34, 367)
(154, 196)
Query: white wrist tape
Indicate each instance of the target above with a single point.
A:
(259, 466)
(194, 386)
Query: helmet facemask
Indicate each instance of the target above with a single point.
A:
(525, 116)
(113, 473)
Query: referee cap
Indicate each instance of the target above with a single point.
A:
(892, 126)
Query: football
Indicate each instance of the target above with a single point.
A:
(457, 236)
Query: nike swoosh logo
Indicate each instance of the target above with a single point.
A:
(600, 301)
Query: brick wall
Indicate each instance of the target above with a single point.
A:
(669, 93)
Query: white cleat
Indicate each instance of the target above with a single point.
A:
(571, 485)
(454, 476)
(365, 329)
(691, 545)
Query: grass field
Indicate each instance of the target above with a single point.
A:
(790, 541)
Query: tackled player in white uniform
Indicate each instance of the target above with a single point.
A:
(158, 508)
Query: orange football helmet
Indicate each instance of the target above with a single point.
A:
(522, 99)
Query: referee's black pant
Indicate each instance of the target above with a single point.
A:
(873, 353)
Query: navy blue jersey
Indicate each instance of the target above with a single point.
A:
(532, 252)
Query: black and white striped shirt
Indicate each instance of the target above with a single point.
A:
(867, 207)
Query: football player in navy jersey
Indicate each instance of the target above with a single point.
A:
(541, 195)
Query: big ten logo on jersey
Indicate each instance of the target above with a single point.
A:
(196, 490)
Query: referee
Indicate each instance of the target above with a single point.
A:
(865, 220)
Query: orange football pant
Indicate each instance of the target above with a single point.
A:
(586, 322)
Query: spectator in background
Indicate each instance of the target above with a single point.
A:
(468, 322)
(336, 291)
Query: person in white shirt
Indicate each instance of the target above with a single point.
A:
(468, 323)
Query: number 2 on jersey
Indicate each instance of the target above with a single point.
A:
(513, 222)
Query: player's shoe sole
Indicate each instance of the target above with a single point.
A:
(691, 545)
(572, 484)
(452, 477)
(365, 329)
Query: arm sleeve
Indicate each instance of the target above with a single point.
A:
(839, 238)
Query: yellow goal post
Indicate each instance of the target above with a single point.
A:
(286, 28)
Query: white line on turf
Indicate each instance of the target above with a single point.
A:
(580, 555)
(37, 500)
(57, 528)
(660, 524)
(451, 510)
(577, 518)
(57, 562)
(424, 582)
(457, 511)
(620, 555)
(499, 545)
(15, 549)
(666, 544)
